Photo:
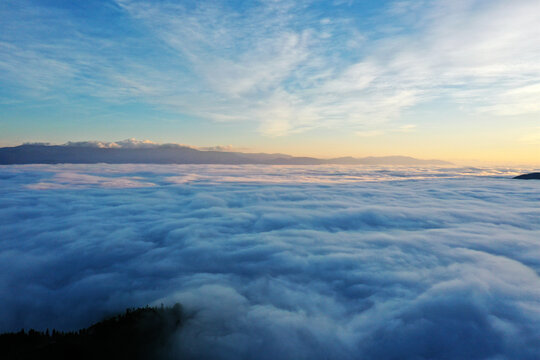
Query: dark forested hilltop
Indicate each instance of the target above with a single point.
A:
(531, 176)
(56, 154)
(143, 333)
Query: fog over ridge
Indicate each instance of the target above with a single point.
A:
(281, 262)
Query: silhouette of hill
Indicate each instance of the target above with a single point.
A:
(176, 154)
(142, 333)
(531, 176)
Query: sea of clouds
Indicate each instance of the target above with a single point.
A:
(280, 262)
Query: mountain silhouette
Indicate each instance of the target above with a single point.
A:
(142, 333)
(531, 176)
(169, 154)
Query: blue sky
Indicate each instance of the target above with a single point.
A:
(453, 79)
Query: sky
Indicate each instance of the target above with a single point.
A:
(456, 80)
(280, 262)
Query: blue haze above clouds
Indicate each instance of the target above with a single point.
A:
(280, 262)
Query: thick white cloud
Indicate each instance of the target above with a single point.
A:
(131, 143)
(280, 262)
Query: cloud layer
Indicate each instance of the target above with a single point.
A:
(280, 262)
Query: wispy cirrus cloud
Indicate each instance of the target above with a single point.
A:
(285, 66)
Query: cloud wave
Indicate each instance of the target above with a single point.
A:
(439, 263)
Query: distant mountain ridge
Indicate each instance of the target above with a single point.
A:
(89, 153)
